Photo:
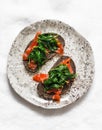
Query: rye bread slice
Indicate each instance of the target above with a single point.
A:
(67, 86)
(49, 56)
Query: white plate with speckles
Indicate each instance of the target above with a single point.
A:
(76, 46)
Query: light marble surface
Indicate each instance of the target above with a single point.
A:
(86, 17)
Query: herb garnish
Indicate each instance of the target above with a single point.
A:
(58, 77)
(38, 55)
(48, 41)
(45, 42)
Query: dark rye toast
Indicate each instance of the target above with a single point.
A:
(48, 56)
(66, 87)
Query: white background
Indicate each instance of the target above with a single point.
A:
(86, 17)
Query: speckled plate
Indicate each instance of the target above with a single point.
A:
(76, 46)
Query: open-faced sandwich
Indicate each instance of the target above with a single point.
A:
(58, 80)
(42, 48)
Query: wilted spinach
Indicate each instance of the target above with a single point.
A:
(58, 77)
(45, 42)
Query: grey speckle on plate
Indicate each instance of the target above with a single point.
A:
(76, 46)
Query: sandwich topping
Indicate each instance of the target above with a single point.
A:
(40, 47)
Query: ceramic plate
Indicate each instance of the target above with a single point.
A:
(76, 46)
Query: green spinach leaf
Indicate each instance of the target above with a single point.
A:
(58, 77)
